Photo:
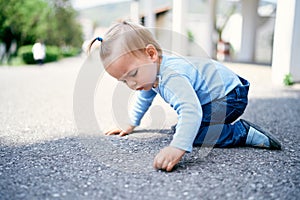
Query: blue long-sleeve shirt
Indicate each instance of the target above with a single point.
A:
(186, 85)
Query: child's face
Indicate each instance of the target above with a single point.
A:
(139, 73)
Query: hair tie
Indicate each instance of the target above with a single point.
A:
(99, 39)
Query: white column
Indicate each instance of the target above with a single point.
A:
(150, 15)
(286, 48)
(249, 13)
(178, 27)
(212, 19)
(134, 11)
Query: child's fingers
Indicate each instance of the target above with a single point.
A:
(159, 162)
(156, 163)
(164, 165)
(123, 133)
(170, 166)
(117, 132)
(113, 132)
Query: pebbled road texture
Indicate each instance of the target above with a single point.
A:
(42, 155)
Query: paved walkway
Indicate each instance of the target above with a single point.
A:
(43, 156)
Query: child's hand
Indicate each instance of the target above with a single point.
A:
(167, 158)
(120, 132)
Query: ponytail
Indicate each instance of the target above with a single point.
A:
(92, 42)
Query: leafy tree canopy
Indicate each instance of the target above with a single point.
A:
(25, 21)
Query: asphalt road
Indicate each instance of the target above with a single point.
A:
(44, 156)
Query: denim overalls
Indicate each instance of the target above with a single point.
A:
(217, 128)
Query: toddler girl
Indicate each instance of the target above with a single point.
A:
(207, 97)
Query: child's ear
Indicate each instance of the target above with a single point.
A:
(152, 52)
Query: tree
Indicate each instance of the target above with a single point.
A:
(22, 19)
(64, 29)
(53, 21)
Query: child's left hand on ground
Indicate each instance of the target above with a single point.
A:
(120, 132)
(167, 158)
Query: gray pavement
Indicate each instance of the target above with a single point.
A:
(43, 156)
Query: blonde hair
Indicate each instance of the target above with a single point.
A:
(122, 38)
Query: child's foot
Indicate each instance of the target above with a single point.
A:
(257, 137)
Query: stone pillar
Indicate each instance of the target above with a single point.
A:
(249, 14)
(178, 27)
(212, 18)
(150, 15)
(134, 11)
(286, 48)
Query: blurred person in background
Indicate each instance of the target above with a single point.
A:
(39, 52)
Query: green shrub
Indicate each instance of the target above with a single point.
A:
(288, 80)
(53, 53)
(25, 52)
(69, 51)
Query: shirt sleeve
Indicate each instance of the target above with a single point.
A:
(141, 105)
(180, 94)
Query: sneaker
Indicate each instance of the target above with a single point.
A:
(257, 137)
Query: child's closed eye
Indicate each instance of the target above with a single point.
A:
(134, 73)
